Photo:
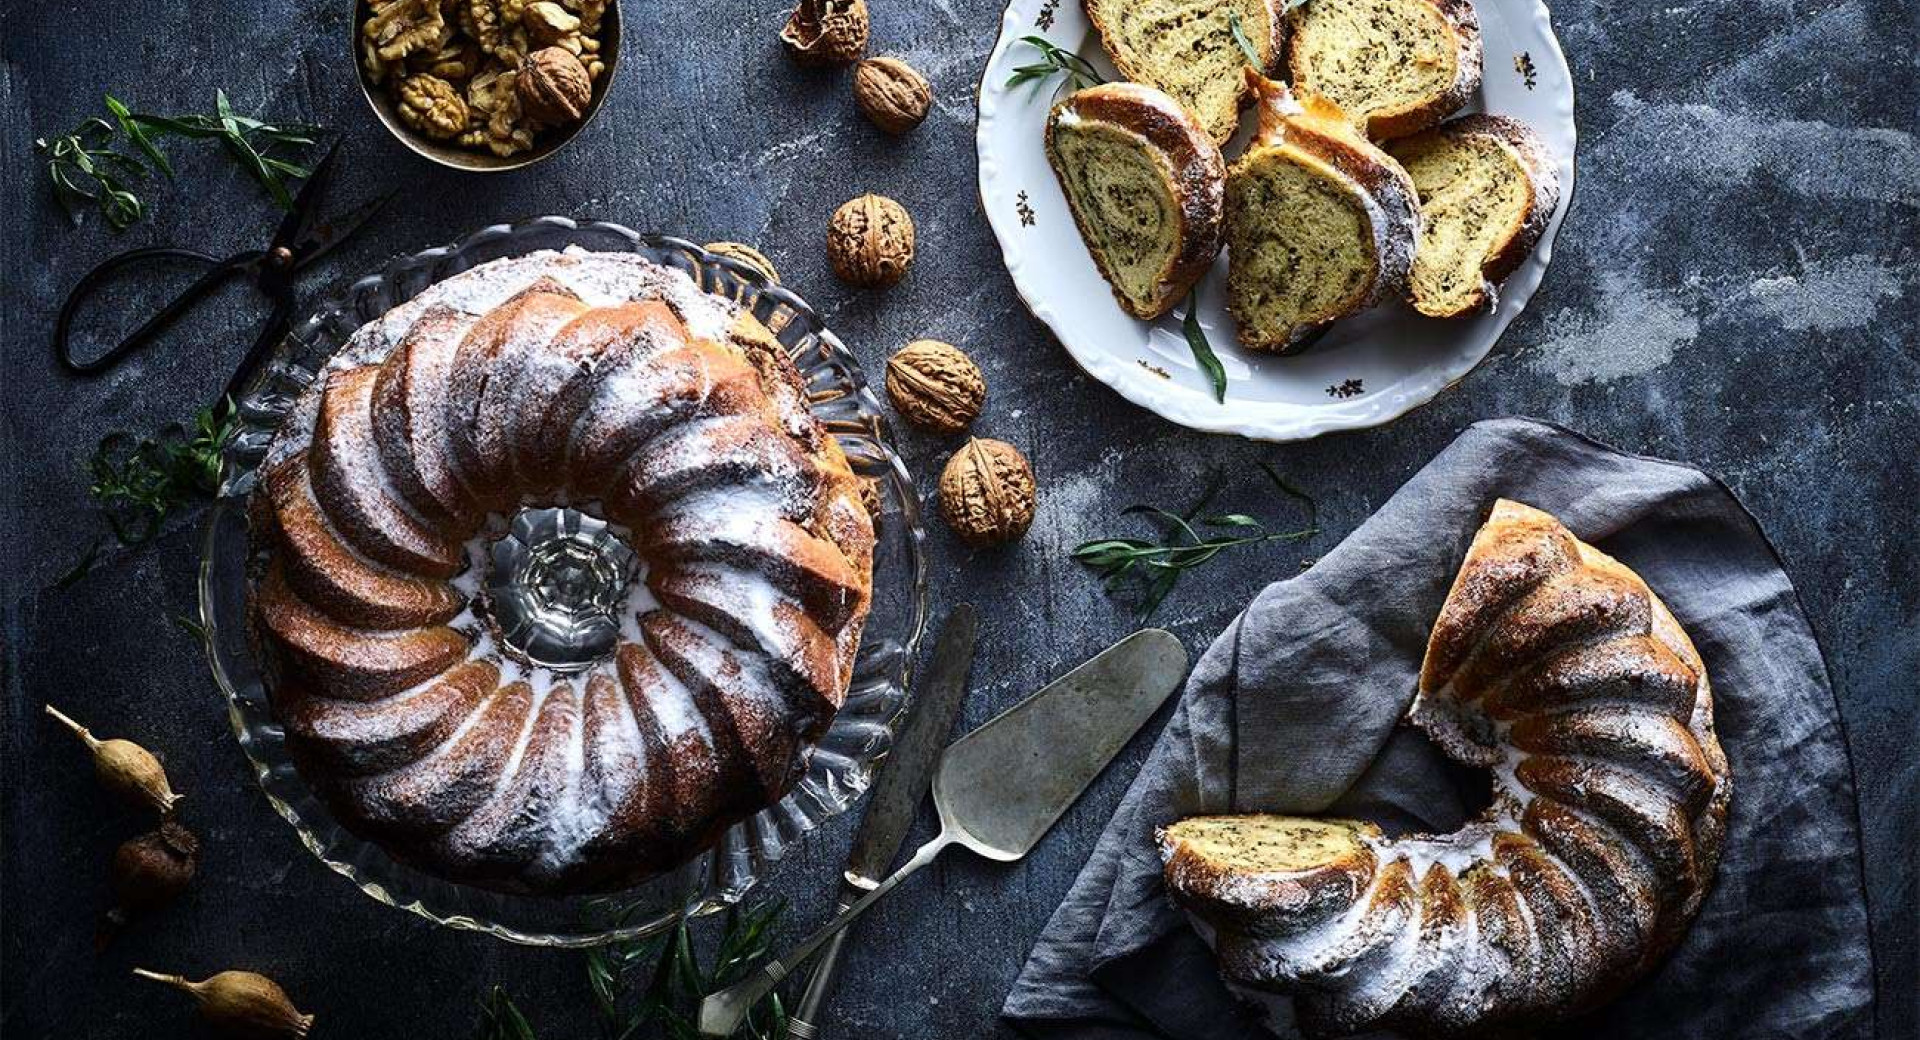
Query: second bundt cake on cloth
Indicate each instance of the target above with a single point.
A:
(557, 576)
(1556, 668)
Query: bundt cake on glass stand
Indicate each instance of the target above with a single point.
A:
(502, 668)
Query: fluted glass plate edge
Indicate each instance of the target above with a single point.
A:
(841, 766)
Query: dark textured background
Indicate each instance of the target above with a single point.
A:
(1736, 287)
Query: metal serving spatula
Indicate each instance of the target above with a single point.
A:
(1000, 788)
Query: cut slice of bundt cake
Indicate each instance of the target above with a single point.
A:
(1320, 223)
(1147, 188)
(1605, 826)
(1186, 48)
(1395, 67)
(1487, 188)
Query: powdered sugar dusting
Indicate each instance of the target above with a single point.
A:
(544, 792)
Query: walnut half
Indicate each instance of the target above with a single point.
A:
(432, 106)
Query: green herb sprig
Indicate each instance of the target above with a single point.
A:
(674, 984)
(500, 1019)
(1188, 540)
(90, 167)
(1202, 348)
(139, 483)
(1056, 61)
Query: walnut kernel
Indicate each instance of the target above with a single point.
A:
(870, 241)
(432, 106)
(549, 24)
(826, 32)
(987, 493)
(933, 385)
(892, 94)
(746, 254)
(553, 86)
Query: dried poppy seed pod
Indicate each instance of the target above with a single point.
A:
(150, 871)
(125, 768)
(242, 1004)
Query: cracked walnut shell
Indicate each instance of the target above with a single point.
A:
(935, 386)
(870, 241)
(892, 94)
(432, 106)
(554, 87)
(826, 32)
(987, 493)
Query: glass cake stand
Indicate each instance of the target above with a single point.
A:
(841, 765)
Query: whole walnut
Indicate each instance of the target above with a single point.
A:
(870, 241)
(432, 106)
(892, 94)
(554, 87)
(746, 254)
(933, 385)
(826, 32)
(987, 493)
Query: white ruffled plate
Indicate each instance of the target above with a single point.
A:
(1365, 371)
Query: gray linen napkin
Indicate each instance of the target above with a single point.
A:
(1296, 708)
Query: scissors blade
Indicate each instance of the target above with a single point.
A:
(324, 236)
(299, 221)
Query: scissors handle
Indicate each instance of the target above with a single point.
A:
(218, 271)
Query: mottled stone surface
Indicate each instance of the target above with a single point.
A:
(1736, 287)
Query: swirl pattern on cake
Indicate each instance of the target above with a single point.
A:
(613, 386)
(1556, 668)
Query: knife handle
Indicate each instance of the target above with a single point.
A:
(721, 1013)
(804, 1023)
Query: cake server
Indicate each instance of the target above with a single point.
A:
(897, 792)
(1000, 788)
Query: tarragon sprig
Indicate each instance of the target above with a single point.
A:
(654, 986)
(1188, 540)
(1056, 61)
(90, 167)
(140, 482)
(1202, 348)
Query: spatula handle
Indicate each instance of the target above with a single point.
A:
(722, 1013)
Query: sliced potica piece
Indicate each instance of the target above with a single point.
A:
(1394, 66)
(1187, 49)
(1487, 188)
(1147, 188)
(1320, 223)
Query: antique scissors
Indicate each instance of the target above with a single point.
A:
(301, 239)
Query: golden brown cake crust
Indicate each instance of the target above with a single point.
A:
(1609, 810)
(1196, 175)
(617, 386)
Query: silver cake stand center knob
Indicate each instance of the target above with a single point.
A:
(556, 583)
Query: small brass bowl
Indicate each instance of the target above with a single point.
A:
(455, 157)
